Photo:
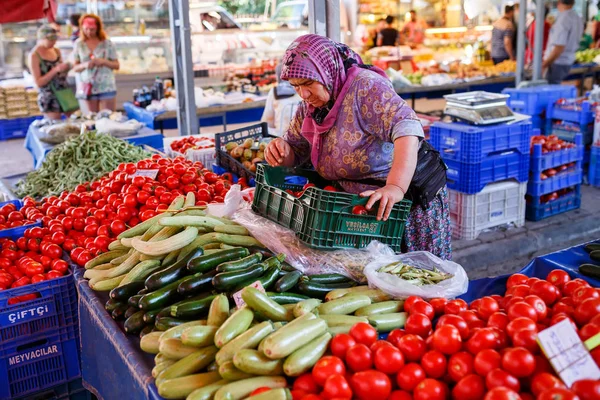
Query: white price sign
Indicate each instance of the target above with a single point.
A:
(237, 296)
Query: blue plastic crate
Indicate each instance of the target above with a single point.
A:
(542, 161)
(535, 100)
(471, 144)
(33, 363)
(583, 115)
(567, 131)
(72, 390)
(15, 128)
(471, 178)
(538, 187)
(55, 306)
(594, 170)
(536, 211)
(539, 123)
(17, 232)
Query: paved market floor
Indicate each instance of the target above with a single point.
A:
(494, 253)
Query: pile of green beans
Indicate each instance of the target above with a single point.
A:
(81, 159)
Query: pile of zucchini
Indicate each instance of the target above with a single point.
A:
(591, 269)
(231, 353)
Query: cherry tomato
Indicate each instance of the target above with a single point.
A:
(340, 345)
(388, 360)
(456, 321)
(412, 346)
(359, 358)
(327, 366)
(502, 393)
(430, 389)
(434, 363)
(470, 387)
(418, 324)
(498, 320)
(371, 384)
(518, 290)
(455, 306)
(584, 293)
(410, 376)
(498, 377)
(306, 383)
(460, 365)
(364, 333)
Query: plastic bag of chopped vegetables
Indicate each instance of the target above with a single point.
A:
(419, 273)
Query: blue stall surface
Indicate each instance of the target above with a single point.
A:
(17, 232)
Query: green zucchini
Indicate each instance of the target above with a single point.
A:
(191, 363)
(328, 278)
(591, 247)
(135, 323)
(274, 394)
(164, 323)
(255, 363)
(388, 322)
(260, 302)
(236, 324)
(266, 280)
(380, 308)
(240, 264)
(177, 331)
(192, 309)
(284, 342)
(196, 283)
(111, 304)
(590, 270)
(275, 260)
(595, 255)
(207, 392)
(286, 297)
(161, 297)
(198, 336)
(287, 267)
(320, 290)
(341, 319)
(288, 281)
(230, 372)
(150, 316)
(134, 300)
(180, 388)
(171, 274)
(247, 340)
(208, 262)
(219, 311)
(345, 305)
(239, 390)
(119, 311)
(130, 311)
(225, 281)
(303, 359)
(149, 343)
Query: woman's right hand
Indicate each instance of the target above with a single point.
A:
(279, 153)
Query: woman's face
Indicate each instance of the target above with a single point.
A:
(89, 28)
(312, 92)
(48, 43)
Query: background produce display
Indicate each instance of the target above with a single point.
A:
(249, 153)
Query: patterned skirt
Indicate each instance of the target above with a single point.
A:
(429, 229)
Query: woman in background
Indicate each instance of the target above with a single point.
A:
(282, 101)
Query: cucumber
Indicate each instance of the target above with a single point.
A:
(230, 372)
(320, 290)
(174, 349)
(256, 363)
(266, 280)
(241, 389)
(190, 364)
(139, 229)
(198, 336)
(207, 392)
(177, 331)
(303, 359)
(171, 274)
(274, 394)
(134, 300)
(306, 306)
(288, 281)
(286, 297)
(284, 341)
(240, 264)
(258, 301)
(219, 311)
(337, 320)
(192, 309)
(345, 305)
(150, 316)
(388, 322)
(590, 270)
(225, 281)
(119, 311)
(111, 304)
(591, 247)
(235, 325)
(122, 293)
(180, 388)
(147, 329)
(595, 255)
(247, 340)
(208, 262)
(196, 283)
(164, 323)
(130, 311)
(149, 343)
(328, 278)
(161, 297)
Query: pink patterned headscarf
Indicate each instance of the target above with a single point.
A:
(330, 63)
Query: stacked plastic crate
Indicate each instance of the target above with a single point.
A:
(487, 172)
(594, 168)
(534, 101)
(555, 182)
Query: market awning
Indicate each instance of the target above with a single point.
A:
(27, 10)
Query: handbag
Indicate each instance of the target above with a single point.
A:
(66, 98)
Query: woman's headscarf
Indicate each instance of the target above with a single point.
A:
(330, 63)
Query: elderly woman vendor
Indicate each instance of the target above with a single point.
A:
(358, 132)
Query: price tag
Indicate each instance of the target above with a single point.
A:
(567, 353)
(150, 173)
(237, 296)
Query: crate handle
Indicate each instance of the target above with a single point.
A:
(30, 345)
(23, 298)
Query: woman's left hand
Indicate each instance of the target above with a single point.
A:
(387, 197)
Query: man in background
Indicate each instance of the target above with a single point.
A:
(563, 42)
(414, 30)
(388, 36)
(503, 33)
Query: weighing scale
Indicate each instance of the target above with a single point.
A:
(479, 108)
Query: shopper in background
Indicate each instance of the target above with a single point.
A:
(49, 72)
(502, 37)
(281, 105)
(356, 131)
(388, 36)
(531, 38)
(95, 59)
(74, 20)
(564, 40)
(414, 30)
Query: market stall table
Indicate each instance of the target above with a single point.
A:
(207, 116)
(39, 149)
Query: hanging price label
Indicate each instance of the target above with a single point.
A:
(237, 296)
(150, 173)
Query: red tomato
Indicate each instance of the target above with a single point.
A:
(410, 376)
(306, 383)
(430, 389)
(538, 305)
(418, 324)
(486, 360)
(340, 345)
(395, 335)
(584, 293)
(518, 291)
(371, 384)
(336, 386)
(516, 279)
(359, 358)
(544, 381)
(412, 346)
(471, 387)
(434, 363)
(558, 278)
(117, 227)
(482, 339)
(518, 361)
(327, 366)
(558, 394)
(460, 365)
(260, 390)
(502, 393)
(487, 307)
(546, 291)
(447, 339)
(570, 287)
(498, 377)
(424, 308)
(518, 324)
(527, 339)
(438, 305)
(456, 321)
(379, 344)
(588, 331)
(455, 306)
(359, 210)
(364, 333)
(60, 266)
(400, 395)
(522, 309)
(389, 360)
(410, 301)
(498, 320)
(587, 389)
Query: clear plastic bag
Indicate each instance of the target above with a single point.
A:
(400, 288)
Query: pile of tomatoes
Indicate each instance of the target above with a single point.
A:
(550, 143)
(10, 217)
(454, 350)
(552, 172)
(546, 198)
(192, 143)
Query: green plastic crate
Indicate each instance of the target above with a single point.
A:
(322, 219)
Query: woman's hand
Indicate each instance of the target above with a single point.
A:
(95, 62)
(279, 153)
(63, 67)
(387, 197)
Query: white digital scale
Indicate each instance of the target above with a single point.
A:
(479, 108)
